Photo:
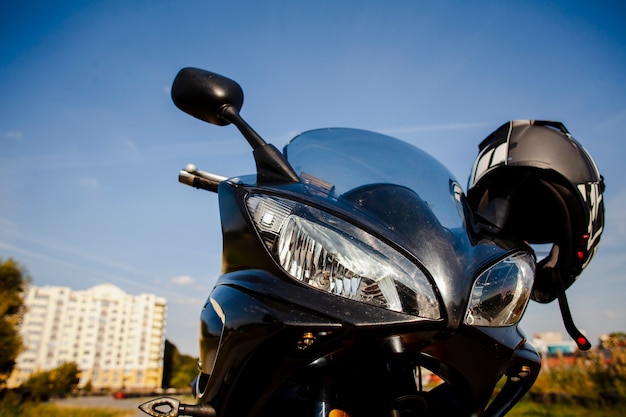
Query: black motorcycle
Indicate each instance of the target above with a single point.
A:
(359, 280)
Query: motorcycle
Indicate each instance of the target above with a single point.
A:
(358, 279)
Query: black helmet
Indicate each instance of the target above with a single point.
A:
(532, 181)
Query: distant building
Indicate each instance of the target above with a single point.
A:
(554, 350)
(552, 344)
(116, 339)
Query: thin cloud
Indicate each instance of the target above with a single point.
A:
(126, 143)
(91, 275)
(88, 182)
(96, 275)
(183, 280)
(609, 314)
(188, 301)
(127, 152)
(13, 134)
(53, 246)
(614, 121)
(436, 127)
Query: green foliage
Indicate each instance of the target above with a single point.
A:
(527, 408)
(64, 378)
(38, 386)
(572, 380)
(10, 347)
(58, 382)
(13, 283)
(88, 387)
(613, 340)
(598, 375)
(179, 370)
(609, 373)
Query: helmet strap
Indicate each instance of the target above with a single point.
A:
(553, 270)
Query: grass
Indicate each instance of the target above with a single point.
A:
(525, 408)
(50, 410)
(583, 385)
(13, 407)
(528, 408)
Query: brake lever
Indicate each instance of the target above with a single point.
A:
(171, 407)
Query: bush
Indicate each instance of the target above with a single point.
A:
(609, 374)
(597, 377)
(59, 382)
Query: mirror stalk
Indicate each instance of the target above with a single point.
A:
(272, 167)
(231, 114)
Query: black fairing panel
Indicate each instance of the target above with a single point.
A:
(254, 336)
(241, 247)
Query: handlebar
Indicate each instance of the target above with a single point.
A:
(199, 179)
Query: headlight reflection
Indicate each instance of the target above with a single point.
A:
(501, 293)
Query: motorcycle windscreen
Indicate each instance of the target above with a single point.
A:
(348, 159)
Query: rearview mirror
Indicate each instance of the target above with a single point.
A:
(205, 95)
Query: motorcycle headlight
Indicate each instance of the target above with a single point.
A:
(501, 293)
(332, 255)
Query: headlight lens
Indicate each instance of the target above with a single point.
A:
(332, 255)
(500, 294)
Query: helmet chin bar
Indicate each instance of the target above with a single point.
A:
(551, 269)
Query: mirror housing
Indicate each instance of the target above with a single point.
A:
(206, 95)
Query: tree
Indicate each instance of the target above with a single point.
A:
(64, 378)
(13, 283)
(88, 387)
(613, 340)
(59, 381)
(38, 386)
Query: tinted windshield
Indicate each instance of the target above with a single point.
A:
(348, 158)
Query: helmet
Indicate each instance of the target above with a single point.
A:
(532, 181)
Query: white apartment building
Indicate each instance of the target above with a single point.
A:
(116, 339)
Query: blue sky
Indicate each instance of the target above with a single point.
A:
(91, 144)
